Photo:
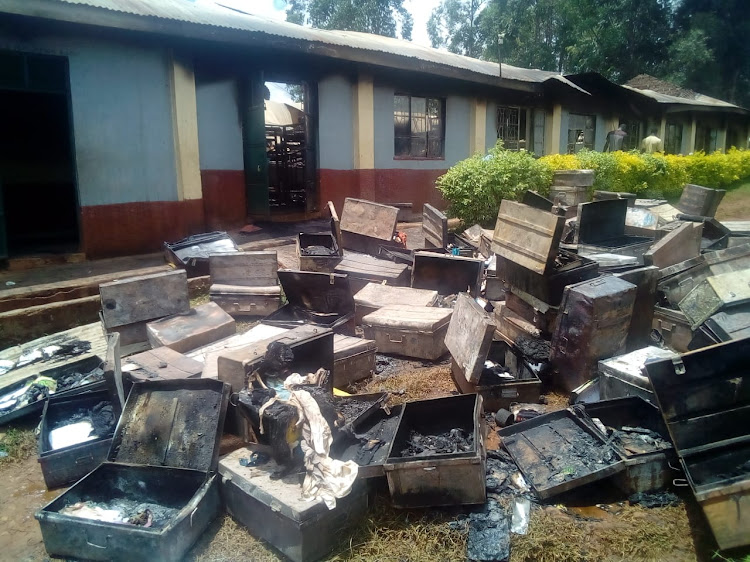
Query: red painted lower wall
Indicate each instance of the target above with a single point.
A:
(135, 228)
(224, 200)
(384, 186)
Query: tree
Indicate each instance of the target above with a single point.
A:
(382, 17)
(718, 29)
(454, 25)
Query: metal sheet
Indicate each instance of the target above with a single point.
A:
(469, 336)
(367, 218)
(708, 297)
(527, 236)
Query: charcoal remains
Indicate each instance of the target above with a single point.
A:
(318, 251)
(654, 499)
(535, 350)
(124, 511)
(454, 441)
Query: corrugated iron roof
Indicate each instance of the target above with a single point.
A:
(208, 13)
(698, 100)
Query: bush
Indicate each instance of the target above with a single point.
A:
(474, 187)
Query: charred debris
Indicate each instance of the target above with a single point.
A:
(636, 309)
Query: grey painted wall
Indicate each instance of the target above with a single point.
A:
(458, 112)
(122, 118)
(336, 123)
(219, 127)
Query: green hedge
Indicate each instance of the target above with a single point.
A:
(474, 187)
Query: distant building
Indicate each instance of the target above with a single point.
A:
(132, 122)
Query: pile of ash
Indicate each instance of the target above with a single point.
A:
(454, 441)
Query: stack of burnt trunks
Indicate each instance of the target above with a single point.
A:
(535, 272)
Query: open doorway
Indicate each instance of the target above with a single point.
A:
(290, 147)
(37, 177)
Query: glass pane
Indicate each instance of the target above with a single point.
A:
(419, 145)
(401, 146)
(401, 116)
(418, 115)
(435, 148)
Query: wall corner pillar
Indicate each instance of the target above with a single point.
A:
(185, 128)
(478, 127)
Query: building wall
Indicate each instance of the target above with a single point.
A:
(390, 180)
(121, 105)
(221, 159)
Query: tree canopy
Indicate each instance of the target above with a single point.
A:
(697, 44)
(382, 17)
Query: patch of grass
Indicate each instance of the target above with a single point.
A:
(18, 443)
(634, 534)
(411, 384)
(199, 300)
(384, 534)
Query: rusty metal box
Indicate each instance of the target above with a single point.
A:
(190, 330)
(447, 274)
(646, 461)
(375, 295)
(567, 269)
(548, 451)
(245, 283)
(424, 479)
(601, 229)
(410, 331)
(365, 225)
(65, 463)
(353, 359)
(363, 269)
(322, 299)
(704, 397)
(273, 510)
(164, 454)
(593, 324)
(192, 253)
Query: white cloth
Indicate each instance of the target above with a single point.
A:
(325, 478)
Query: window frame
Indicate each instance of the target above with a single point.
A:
(570, 146)
(520, 142)
(410, 120)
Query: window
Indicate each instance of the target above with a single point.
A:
(419, 127)
(673, 138)
(581, 132)
(632, 140)
(705, 139)
(511, 127)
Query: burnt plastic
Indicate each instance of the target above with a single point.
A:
(82, 365)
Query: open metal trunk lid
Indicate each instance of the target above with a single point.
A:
(326, 293)
(713, 294)
(527, 236)
(175, 423)
(558, 452)
(469, 336)
(704, 396)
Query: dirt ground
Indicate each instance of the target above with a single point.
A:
(736, 204)
(595, 525)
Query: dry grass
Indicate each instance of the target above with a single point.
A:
(386, 535)
(557, 401)
(736, 204)
(394, 535)
(634, 534)
(19, 443)
(415, 383)
(199, 300)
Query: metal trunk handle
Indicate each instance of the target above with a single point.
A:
(399, 340)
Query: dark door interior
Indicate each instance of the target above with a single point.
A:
(37, 174)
